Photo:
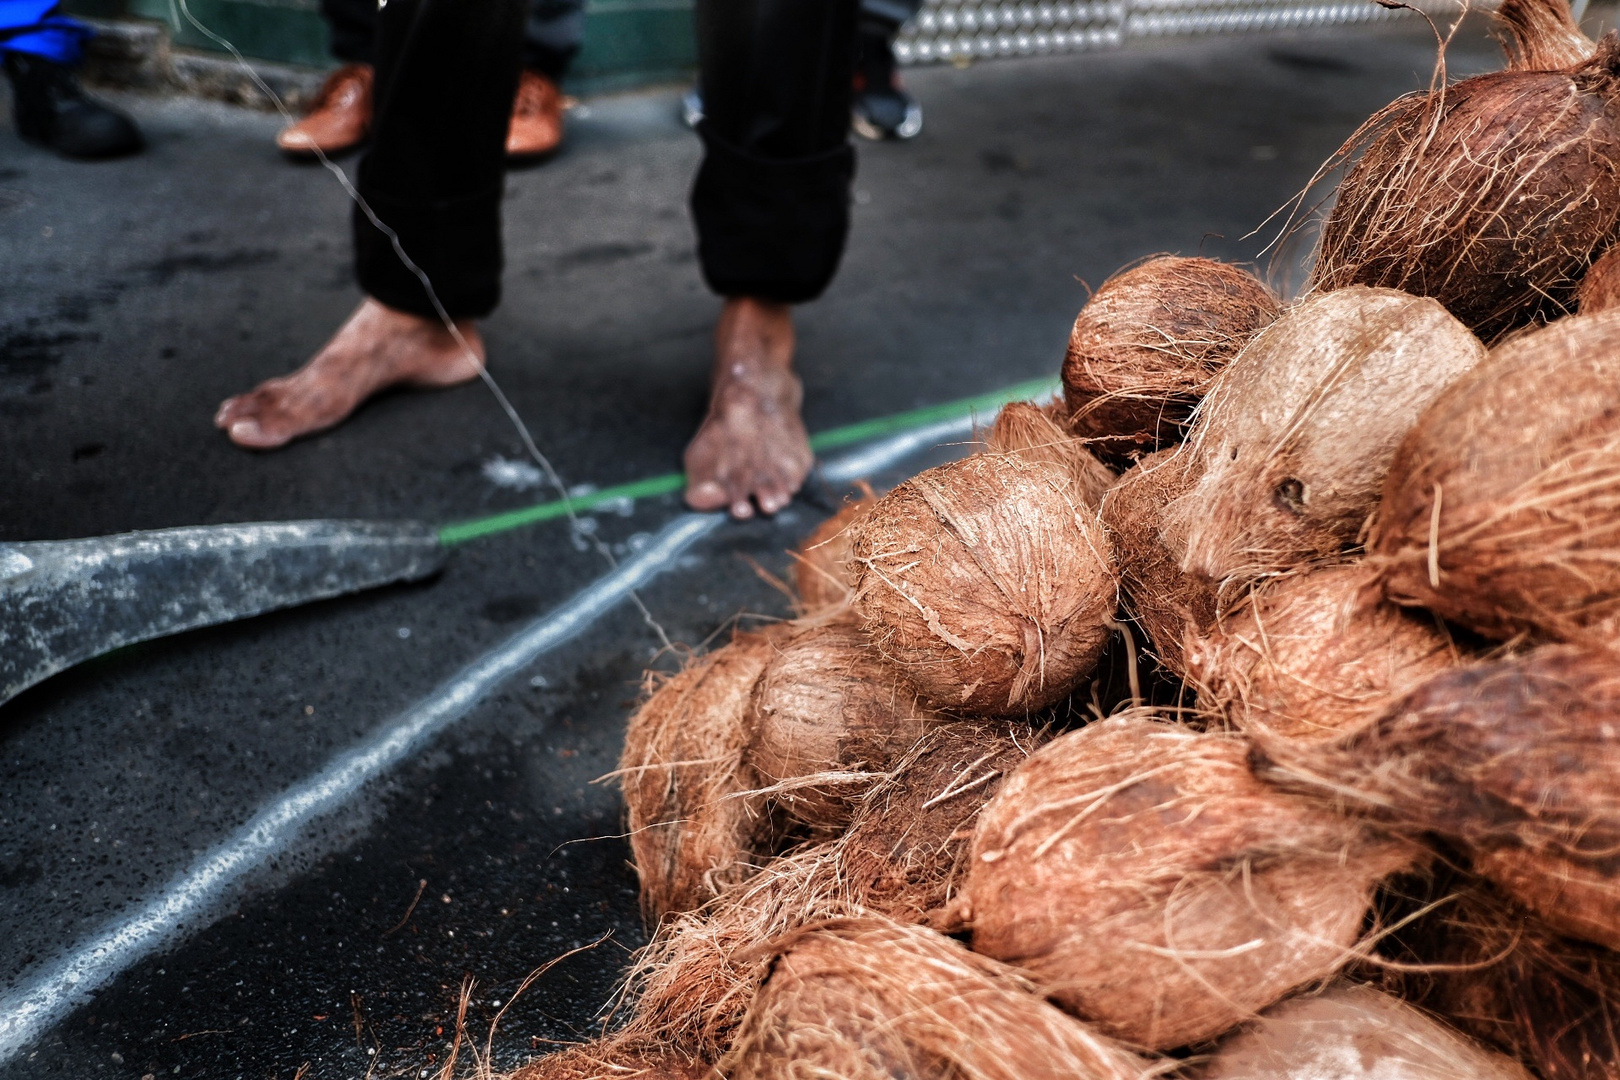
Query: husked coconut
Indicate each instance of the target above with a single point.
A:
(1492, 194)
(1600, 285)
(871, 999)
(1500, 974)
(987, 583)
(1502, 508)
(682, 770)
(1515, 759)
(1147, 344)
(1315, 655)
(1294, 440)
(1026, 430)
(823, 573)
(904, 855)
(1353, 1032)
(1149, 883)
(1165, 600)
(827, 716)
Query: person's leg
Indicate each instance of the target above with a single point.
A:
(40, 47)
(339, 116)
(446, 74)
(771, 206)
(882, 108)
(552, 34)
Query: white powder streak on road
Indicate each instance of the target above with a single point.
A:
(190, 901)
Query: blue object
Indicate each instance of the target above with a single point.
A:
(38, 28)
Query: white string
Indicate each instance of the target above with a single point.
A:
(501, 399)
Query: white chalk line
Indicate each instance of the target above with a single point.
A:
(189, 900)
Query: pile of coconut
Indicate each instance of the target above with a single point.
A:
(1250, 711)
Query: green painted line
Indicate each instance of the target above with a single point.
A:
(461, 532)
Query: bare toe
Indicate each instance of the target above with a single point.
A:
(706, 495)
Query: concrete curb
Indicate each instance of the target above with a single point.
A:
(137, 54)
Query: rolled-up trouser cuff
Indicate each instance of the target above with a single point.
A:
(771, 228)
(456, 243)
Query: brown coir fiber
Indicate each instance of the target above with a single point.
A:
(1353, 1032)
(1600, 285)
(1149, 883)
(1028, 431)
(1515, 759)
(1495, 971)
(1493, 194)
(681, 767)
(1315, 655)
(987, 583)
(823, 573)
(1502, 508)
(1166, 601)
(903, 856)
(825, 716)
(1296, 436)
(871, 999)
(1147, 344)
(613, 1058)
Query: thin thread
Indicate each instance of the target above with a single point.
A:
(439, 309)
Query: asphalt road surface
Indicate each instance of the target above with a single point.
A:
(135, 295)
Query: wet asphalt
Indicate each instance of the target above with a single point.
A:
(135, 295)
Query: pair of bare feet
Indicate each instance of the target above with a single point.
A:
(751, 451)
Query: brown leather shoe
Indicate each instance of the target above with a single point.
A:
(339, 118)
(537, 118)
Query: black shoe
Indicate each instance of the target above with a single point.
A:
(52, 109)
(882, 110)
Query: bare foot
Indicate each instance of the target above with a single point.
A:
(376, 348)
(752, 448)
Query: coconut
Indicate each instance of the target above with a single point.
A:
(1314, 655)
(1353, 1032)
(682, 770)
(827, 716)
(1147, 344)
(1163, 599)
(1515, 759)
(1493, 194)
(1502, 975)
(823, 574)
(612, 1058)
(1150, 884)
(1026, 430)
(988, 583)
(1296, 437)
(903, 856)
(1502, 508)
(871, 999)
(1600, 285)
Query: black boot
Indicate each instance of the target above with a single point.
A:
(882, 110)
(52, 109)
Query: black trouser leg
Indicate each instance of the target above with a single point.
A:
(447, 71)
(771, 200)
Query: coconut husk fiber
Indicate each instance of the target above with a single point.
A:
(1502, 508)
(1493, 194)
(1500, 974)
(987, 583)
(825, 717)
(1515, 759)
(1028, 431)
(613, 1058)
(1296, 436)
(904, 856)
(682, 769)
(1165, 600)
(1146, 346)
(1149, 883)
(1353, 1032)
(871, 999)
(823, 573)
(1600, 285)
(1315, 655)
